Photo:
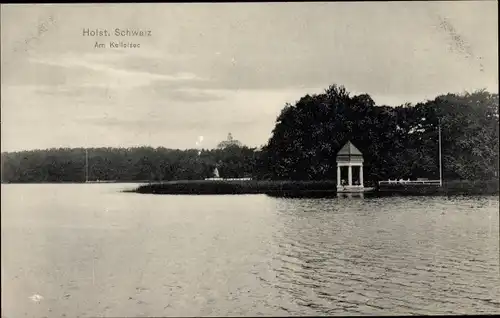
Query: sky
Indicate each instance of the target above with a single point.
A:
(210, 69)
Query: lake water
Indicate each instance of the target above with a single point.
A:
(90, 250)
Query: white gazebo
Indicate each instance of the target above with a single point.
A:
(349, 156)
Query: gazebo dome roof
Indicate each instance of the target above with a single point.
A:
(349, 150)
(349, 153)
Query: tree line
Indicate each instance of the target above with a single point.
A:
(125, 164)
(396, 142)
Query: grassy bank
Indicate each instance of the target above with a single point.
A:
(310, 188)
(236, 187)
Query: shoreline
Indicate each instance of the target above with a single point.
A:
(325, 188)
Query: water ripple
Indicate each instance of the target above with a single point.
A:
(396, 260)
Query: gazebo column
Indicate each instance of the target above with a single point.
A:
(361, 175)
(338, 176)
(350, 175)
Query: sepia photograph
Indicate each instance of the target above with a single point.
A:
(250, 159)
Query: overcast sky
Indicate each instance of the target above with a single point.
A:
(210, 69)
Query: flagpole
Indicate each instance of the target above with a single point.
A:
(86, 156)
(86, 165)
(440, 156)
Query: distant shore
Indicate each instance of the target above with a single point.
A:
(277, 188)
(78, 182)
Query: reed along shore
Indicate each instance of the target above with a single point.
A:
(456, 187)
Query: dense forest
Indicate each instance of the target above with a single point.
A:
(397, 142)
(126, 164)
